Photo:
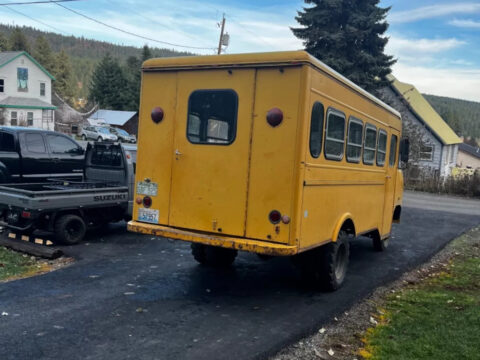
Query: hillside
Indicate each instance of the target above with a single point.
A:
(85, 53)
(462, 115)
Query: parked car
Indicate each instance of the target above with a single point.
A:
(97, 133)
(28, 155)
(123, 136)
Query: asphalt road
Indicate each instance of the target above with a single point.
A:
(137, 297)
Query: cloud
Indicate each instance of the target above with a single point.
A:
(432, 11)
(452, 82)
(465, 23)
(399, 46)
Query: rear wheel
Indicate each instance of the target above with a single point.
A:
(212, 255)
(70, 229)
(84, 137)
(99, 139)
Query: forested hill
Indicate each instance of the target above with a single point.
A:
(463, 116)
(84, 53)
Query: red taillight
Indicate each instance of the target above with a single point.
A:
(275, 216)
(157, 114)
(275, 117)
(147, 201)
(26, 214)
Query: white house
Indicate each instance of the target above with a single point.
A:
(25, 91)
(439, 143)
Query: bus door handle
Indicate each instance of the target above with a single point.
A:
(388, 177)
(177, 154)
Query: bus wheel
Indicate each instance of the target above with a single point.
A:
(70, 229)
(213, 256)
(379, 244)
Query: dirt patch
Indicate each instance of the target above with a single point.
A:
(343, 338)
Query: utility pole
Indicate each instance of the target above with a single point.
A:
(221, 35)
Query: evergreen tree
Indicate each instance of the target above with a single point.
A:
(64, 83)
(18, 41)
(108, 85)
(3, 43)
(134, 72)
(44, 55)
(146, 53)
(347, 35)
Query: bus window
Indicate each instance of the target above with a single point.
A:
(369, 144)
(354, 143)
(212, 117)
(335, 135)
(381, 147)
(393, 150)
(316, 129)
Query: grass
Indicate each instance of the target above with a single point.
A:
(437, 318)
(14, 265)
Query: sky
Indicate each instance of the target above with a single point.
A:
(436, 42)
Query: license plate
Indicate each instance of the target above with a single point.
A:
(148, 215)
(147, 188)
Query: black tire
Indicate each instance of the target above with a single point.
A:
(99, 139)
(326, 266)
(379, 244)
(84, 138)
(213, 256)
(70, 229)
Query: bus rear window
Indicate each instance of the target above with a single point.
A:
(212, 117)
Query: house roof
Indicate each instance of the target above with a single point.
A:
(113, 117)
(425, 112)
(25, 103)
(471, 150)
(266, 59)
(8, 56)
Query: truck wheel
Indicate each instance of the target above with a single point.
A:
(84, 138)
(327, 265)
(99, 139)
(379, 244)
(212, 255)
(70, 229)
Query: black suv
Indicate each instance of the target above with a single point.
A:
(33, 155)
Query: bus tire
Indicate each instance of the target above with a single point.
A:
(379, 244)
(212, 255)
(70, 229)
(334, 262)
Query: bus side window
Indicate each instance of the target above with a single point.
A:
(355, 139)
(381, 147)
(369, 144)
(393, 150)
(335, 135)
(316, 129)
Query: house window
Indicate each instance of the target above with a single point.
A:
(47, 116)
(13, 118)
(22, 79)
(354, 143)
(42, 89)
(2, 85)
(426, 152)
(335, 135)
(30, 118)
(381, 148)
(369, 144)
(316, 130)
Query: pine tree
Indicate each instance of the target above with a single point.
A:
(134, 72)
(146, 53)
(64, 83)
(44, 55)
(3, 43)
(18, 41)
(348, 36)
(109, 84)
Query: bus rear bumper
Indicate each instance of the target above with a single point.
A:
(243, 244)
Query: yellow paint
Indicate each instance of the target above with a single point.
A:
(222, 195)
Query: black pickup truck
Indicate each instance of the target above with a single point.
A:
(32, 155)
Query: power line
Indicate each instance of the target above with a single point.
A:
(36, 20)
(128, 32)
(36, 2)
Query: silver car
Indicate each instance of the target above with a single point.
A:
(97, 133)
(123, 136)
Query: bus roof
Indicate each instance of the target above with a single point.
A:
(257, 59)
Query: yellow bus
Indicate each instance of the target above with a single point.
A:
(271, 153)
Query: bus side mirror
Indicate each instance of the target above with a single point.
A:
(404, 150)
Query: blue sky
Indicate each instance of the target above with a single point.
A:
(436, 42)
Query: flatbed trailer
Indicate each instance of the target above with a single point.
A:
(68, 208)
